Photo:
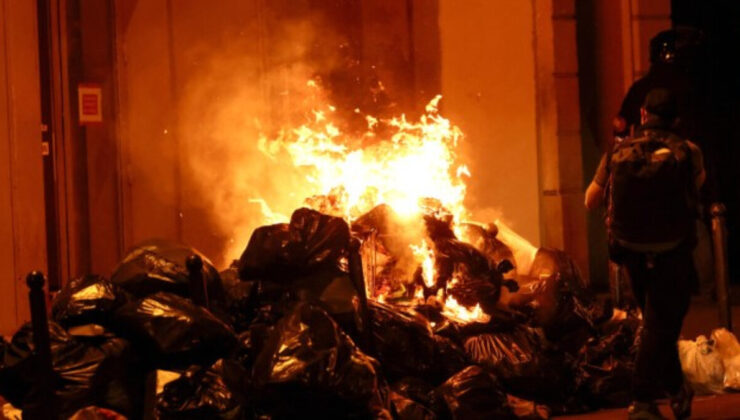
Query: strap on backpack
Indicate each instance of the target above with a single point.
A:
(607, 187)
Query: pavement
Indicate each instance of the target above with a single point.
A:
(725, 406)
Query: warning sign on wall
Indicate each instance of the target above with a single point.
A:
(90, 103)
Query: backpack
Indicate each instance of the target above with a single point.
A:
(651, 197)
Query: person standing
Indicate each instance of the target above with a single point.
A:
(650, 185)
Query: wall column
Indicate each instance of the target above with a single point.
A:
(559, 130)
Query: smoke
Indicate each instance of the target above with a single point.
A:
(249, 89)
(238, 94)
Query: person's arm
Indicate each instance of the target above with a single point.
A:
(594, 196)
(595, 190)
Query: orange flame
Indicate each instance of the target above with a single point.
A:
(397, 162)
(415, 161)
(425, 255)
(455, 311)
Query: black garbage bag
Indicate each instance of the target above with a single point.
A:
(281, 252)
(484, 240)
(199, 393)
(309, 367)
(331, 286)
(306, 260)
(237, 368)
(473, 393)
(405, 345)
(540, 299)
(174, 331)
(403, 408)
(548, 262)
(250, 345)
(607, 384)
(265, 301)
(87, 300)
(18, 362)
(622, 323)
(416, 390)
(467, 274)
(242, 302)
(521, 360)
(263, 256)
(528, 410)
(618, 338)
(568, 315)
(158, 265)
(606, 363)
(98, 371)
(316, 239)
(501, 319)
(230, 275)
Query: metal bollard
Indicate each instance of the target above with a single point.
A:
(719, 241)
(42, 349)
(197, 282)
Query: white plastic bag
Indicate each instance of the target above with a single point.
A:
(702, 365)
(729, 349)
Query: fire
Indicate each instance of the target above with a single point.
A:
(425, 255)
(412, 166)
(455, 311)
(413, 162)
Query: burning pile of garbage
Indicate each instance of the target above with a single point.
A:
(373, 300)
(286, 331)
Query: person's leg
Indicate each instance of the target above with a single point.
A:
(669, 296)
(645, 374)
(644, 385)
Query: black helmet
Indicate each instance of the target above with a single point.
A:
(663, 47)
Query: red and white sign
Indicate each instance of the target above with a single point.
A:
(90, 103)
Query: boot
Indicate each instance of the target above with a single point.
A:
(644, 411)
(681, 402)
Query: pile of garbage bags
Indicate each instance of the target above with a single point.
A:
(287, 331)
